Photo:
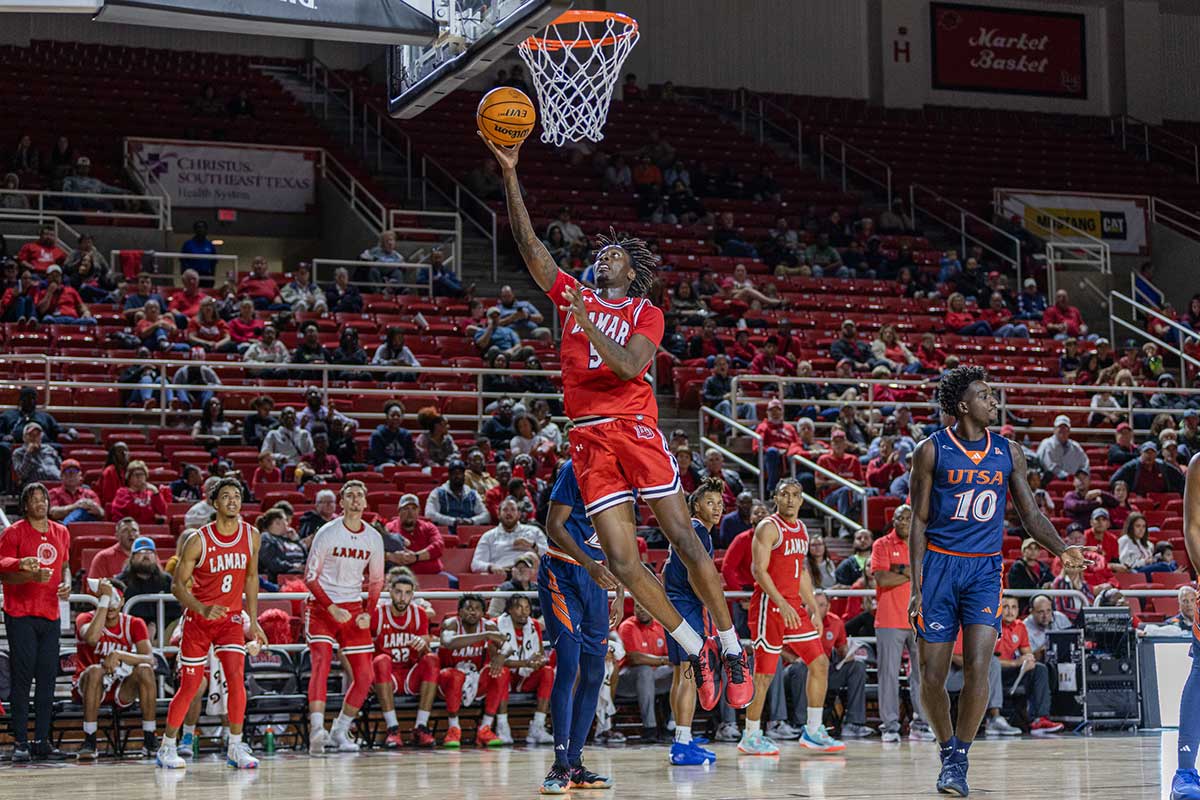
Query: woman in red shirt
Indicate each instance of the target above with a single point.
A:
(112, 477)
(35, 574)
(1000, 317)
(139, 498)
(244, 329)
(961, 321)
(208, 330)
(932, 357)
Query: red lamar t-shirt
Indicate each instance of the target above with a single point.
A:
(21, 540)
(590, 388)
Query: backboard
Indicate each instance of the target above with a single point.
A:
(472, 36)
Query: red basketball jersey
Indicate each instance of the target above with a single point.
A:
(473, 653)
(788, 557)
(396, 634)
(220, 575)
(590, 388)
(124, 637)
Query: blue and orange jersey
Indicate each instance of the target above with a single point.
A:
(566, 491)
(675, 574)
(970, 489)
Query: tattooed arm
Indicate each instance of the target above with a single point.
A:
(537, 258)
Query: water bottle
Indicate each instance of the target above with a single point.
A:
(269, 740)
(196, 745)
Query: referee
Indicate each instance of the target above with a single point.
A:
(35, 574)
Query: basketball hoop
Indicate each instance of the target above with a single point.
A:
(574, 66)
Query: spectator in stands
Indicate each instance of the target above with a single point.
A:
(1064, 320)
(143, 294)
(1041, 621)
(87, 271)
(139, 498)
(208, 331)
(246, 328)
(858, 432)
(931, 357)
(728, 239)
(391, 444)
(1059, 455)
(202, 512)
(111, 561)
(39, 254)
(309, 350)
(1148, 473)
(260, 287)
(1186, 618)
(960, 320)
(1018, 662)
(35, 461)
(807, 393)
(394, 353)
(324, 509)
(454, 502)
(156, 330)
(435, 446)
(267, 350)
(523, 578)
(200, 245)
(492, 337)
(1070, 361)
(820, 564)
(289, 443)
(521, 316)
(212, 425)
(1124, 450)
(777, 438)
(188, 485)
(714, 467)
(500, 547)
(265, 472)
(144, 575)
(1082, 500)
(559, 249)
(1029, 572)
(478, 477)
(499, 427)
(736, 521)
(1166, 398)
(317, 413)
(281, 552)
(1000, 317)
(573, 235)
(321, 465)
(846, 676)
(646, 672)
(74, 501)
(256, 426)
(24, 157)
(825, 260)
(1107, 411)
(1031, 304)
(83, 182)
(885, 467)
(342, 298)
(892, 353)
(302, 293)
(689, 473)
(617, 175)
(185, 303)
(446, 283)
(847, 346)
(855, 567)
(16, 304)
(423, 545)
(194, 375)
(524, 438)
(1137, 552)
(484, 181)
(706, 344)
(1124, 507)
(350, 352)
(383, 253)
(61, 304)
(846, 465)
(895, 220)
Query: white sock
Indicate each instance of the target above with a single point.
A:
(147, 725)
(539, 718)
(753, 725)
(189, 730)
(816, 718)
(486, 720)
(501, 719)
(389, 718)
(423, 718)
(683, 734)
(316, 720)
(90, 727)
(342, 723)
(168, 743)
(234, 740)
(687, 638)
(730, 643)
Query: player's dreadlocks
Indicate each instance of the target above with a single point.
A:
(953, 386)
(644, 263)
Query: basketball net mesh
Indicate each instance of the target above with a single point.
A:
(574, 65)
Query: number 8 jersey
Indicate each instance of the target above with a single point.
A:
(970, 489)
(220, 575)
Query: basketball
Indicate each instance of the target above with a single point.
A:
(506, 116)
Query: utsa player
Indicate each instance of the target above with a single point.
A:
(404, 661)
(783, 612)
(342, 550)
(573, 586)
(218, 566)
(707, 506)
(471, 651)
(960, 479)
(1186, 784)
(114, 666)
(609, 339)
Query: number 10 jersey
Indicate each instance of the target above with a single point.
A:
(970, 489)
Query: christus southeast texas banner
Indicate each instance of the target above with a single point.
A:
(1118, 220)
(246, 177)
(1007, 50)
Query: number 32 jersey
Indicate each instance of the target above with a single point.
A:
(590, 388)
(970, 490)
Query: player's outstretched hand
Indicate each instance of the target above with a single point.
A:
(507, 156)
(601, 575)
(215, 612)
(575, 305)
(1078, 557)
(363, 621)
(914, 609)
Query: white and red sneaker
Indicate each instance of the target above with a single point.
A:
(1045, 725)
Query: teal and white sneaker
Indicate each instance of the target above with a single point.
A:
(756, 744)
(186, 744)
(557, 781)
(820, 740)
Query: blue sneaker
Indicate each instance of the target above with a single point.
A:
(691, 754)
(953, 778)
(186, 744)
(1186, 785)
(820, 740)
(557, 780)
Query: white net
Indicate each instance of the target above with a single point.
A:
(574, 65)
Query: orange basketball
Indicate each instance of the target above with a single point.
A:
(506, 116)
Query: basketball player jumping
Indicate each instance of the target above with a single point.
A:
(1186, 784)
(343, 549)
(572, 587)
(217, 566)
(960, 479)
(609, 338)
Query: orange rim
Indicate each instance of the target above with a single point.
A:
(580, 17)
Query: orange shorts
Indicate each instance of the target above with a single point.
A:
(615, 457)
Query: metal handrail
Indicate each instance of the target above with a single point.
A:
(758, 470)
(161, 216)
(455, 259)
(844, 148)
(114, 255)
(1172, 217)
(404, 266)
(1184, 358)
(7, 216)
(488, 227)
(1128, 122)
(964, 236)
(742, 98)
(861, 491)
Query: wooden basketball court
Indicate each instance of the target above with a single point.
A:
(1101, 767)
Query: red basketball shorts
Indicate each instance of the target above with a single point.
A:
(406, 679)
(613, 457)
(321, 628)
(199, 634)
(771, 636)
(112, 696)
(540, 682)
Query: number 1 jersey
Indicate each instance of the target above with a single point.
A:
(970, 490)
(590, 388)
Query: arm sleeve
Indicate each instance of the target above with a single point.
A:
(375, 576)
(561, 283)
(312, 571)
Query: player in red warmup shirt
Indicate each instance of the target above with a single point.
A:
(113, 666)
(609, 338)
(342, 550)
(404, 662)
(218, 565)
(471, 652)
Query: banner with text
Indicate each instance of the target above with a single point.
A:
(1007, 50)
(217, 175)
(1118, 220)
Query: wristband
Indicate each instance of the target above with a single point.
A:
(106, 601)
